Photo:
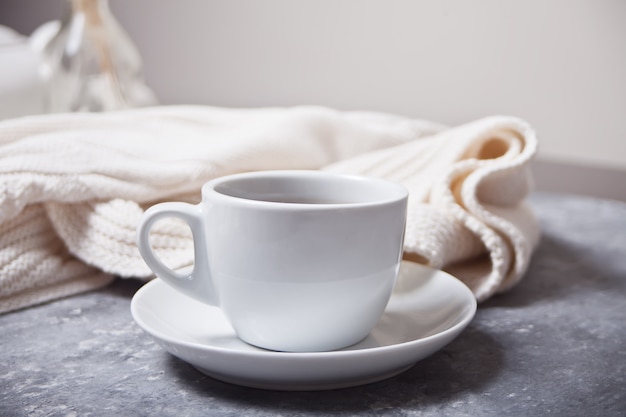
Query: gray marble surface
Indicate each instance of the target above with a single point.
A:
(554, 346)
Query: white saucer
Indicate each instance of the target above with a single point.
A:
(428, 309)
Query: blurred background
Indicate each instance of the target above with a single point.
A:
(559, 64)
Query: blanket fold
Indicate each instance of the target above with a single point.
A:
(73, 187)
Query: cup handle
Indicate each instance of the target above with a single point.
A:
(197, 284)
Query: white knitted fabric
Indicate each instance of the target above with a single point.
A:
(73, 186)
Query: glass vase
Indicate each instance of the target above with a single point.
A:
(91, 64)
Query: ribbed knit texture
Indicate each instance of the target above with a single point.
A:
(73, 187)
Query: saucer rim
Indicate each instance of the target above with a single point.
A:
(468, 314)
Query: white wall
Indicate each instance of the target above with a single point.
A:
(560, 64)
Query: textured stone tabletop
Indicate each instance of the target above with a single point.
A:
(553, 346)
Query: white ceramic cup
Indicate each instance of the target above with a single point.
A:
(297, 260)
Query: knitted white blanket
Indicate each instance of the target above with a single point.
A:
(73, 186)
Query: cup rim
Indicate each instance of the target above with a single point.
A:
(393, 191)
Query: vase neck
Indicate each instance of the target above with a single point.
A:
(94, 11)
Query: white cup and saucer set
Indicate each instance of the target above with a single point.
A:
(298, 284)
